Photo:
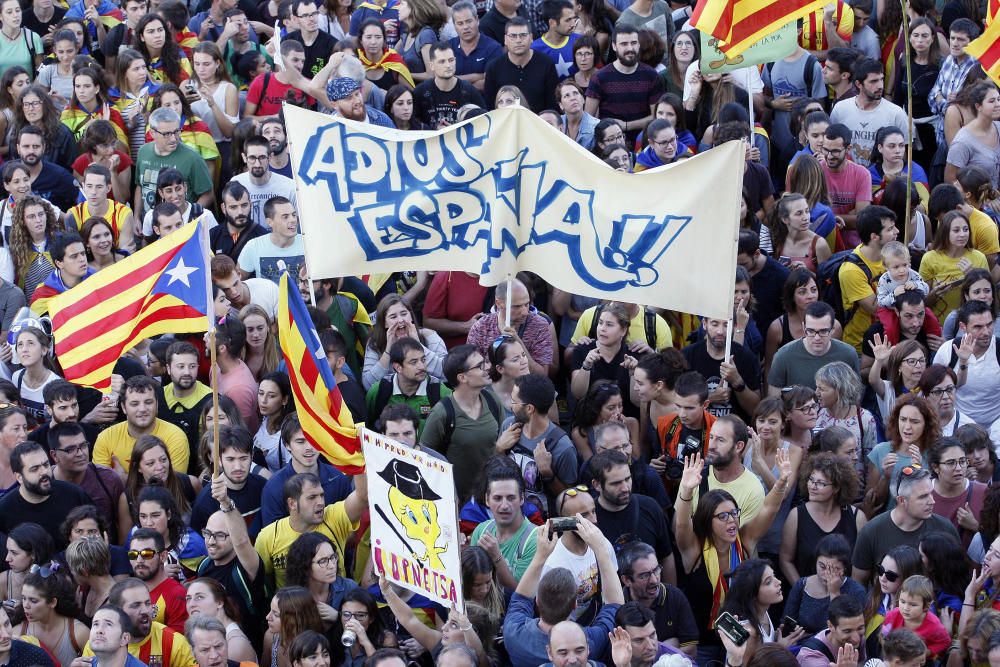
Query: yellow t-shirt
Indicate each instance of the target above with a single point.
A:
(985, 238)
(274, 540)
(162, 648)
(636, 329)
(116, 441)
(746, 489)
(936, 267)
(854, 287)
(189, 401)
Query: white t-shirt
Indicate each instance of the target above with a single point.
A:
(147, 220)
(31, 397)
(584, 569)
(265, 260)
(977, 397)
(264, 293)
(276, 186)
(276, 454)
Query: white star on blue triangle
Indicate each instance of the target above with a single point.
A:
(185, 276)
(563, 68)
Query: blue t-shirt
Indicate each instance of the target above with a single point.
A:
(561, 54)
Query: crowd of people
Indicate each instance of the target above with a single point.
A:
(808, 483)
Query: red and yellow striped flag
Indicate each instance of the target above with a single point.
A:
(986, 49)
(738, 24)
(163, 288)
(326, 421)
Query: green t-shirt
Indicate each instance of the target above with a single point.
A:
(17, 52)
(518, 550)
(184, 159)
(472, 442)
(420, 402)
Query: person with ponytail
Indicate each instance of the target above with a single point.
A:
(795, 244)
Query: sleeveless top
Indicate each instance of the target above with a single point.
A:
(809, 260)
(786, 331)
(115, 215)
(66, 651)
(809, 535)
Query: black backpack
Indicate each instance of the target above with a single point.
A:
(384, 393)
(648, 321)
(828, 277)
(953, 360)
(449, 425)
(808, 75)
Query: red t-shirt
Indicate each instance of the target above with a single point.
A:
(456, 296)
(269, 101)
(171, 609)
(85, 159)
(948, 507)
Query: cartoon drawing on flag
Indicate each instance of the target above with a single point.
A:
(414, 526)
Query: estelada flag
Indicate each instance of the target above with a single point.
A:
(738, 24)
(986, 49)
(326, 421)
(163, 288)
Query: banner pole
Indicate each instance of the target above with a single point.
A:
(216, 465)
(510, 289)
(910, 130)
(750, 111)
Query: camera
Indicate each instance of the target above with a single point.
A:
(563, 524)
(675, 465)
(348, 639)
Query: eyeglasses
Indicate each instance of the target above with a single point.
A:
(913, 362)
(812, 481)
(572, 492)
(483, 365)
(72, 449)
(644, 577)
(144, 554)
(518, 35)
(951, 463)
(889, 575)
(818, 333)
(941, 391)
(726, 516)
(256, 158)
(807, 409)
(310, 15)
(326, 561)
(31, 105)
(665, 142)
(359, 615)
(911, 470)
(174, 133)
(44, 571)
(218, 537)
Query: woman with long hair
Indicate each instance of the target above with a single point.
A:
(99, 239)
(399, 107)
(795, 244)
(888, 162)
(603, 403)
(100, 145)
(215, 99)
(978, 142)
(956, 498)
(17, 183)
(261, 352)
(917, 234)
(292, 612)
(33, 347)
(508, 361)
(684, 50)
(946, 565)
(979, 449)
(709, 93)
(596, 26)
(977, 286)
(206, 596)
(156, 509)
(480, 584)
(989, 524)
(903, 363)
(166, 62)
(312, 564)
(383, 66)
(912, 428)
(944, 268)
(960, 110)
(49, 612)
(897, 566)
(712, 543)
(394, 319)
(35, 107)
(131, 94)
(195, 133)
(419, 22)
(608, 349)
(21, 46)
(275, 402)
(14, 80)
(150, 465)
(809, 181)
(809, 599)
(28, 544)
(13, 431)
(801, 410)
(607, 133)
(90, 103)
(34, 228)
(335, 18)
(925, 65)
(671, 109)
(800, 290)
(359, 614)
(830, 485)
(652, 390)
(839, 390)
(57, 76)
(587, 57)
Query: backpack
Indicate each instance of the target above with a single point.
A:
(828, 277)
(953, 361)
(648, 322)
(809, 74)
(449, 425)
(385, 393)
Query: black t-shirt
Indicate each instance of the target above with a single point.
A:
(221, 241)
(700, 360)
(118, 37)
(247, 501)
(49, 514)
(878, 328)
(642, 521)
(317, 53)
(674, 619)
(41, 28)
(766, 287)
(603, 370)
(438, 107)
(537, 80)
(354, 396)
(247, 594)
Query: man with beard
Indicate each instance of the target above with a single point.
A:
(626, 90)
(866, 112)
(737, 377)
(48, 180)
(110, 634)
(644, 645)
(625, 517)
(147, 554)
(273, 129)
(727, 443)
(347, 100)
(240, 293)
(531, 71)
(912, 320)
(96, 188)
(69, 448)
(153, 643)
(232, 560)
(185, 396)
(230, 237)
(438, 99)
(242, 486)
(40, 498)
(671, 615)
(614, 435)
(508, 538)
(262, 183)
(409, 383)
(114, 445)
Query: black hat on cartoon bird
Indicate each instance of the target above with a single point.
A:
(409, 480)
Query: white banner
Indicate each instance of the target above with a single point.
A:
(414, 523)
(506, 192)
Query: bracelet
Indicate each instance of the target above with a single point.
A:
(968, 604)
(498, 559)
(687, 500)
(225, 510)
(586, 368)
(963, 367)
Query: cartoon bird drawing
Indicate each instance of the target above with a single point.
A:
(412, 502)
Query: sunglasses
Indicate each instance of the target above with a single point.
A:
(144, 554)
(890, 576)
(572, 493)
(44, 571)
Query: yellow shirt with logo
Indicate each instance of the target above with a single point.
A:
(274, 540)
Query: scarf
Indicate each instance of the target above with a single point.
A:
(390, 62)
(51, 287)
(76, 118)
(720, 584)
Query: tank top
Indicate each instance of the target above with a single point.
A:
(115, 215)
(786, 331)
(809, 535)
(698, 589)
(809, 260)
(66, 651)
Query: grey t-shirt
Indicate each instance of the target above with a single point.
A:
(880, 535)
(788, 78)
(866, 41)
(564, 464)
(794, 365)
(659, 21)
(864, 124)
(11, 301)
(967, 151)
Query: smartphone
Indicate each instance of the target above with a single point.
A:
(785, 261)
(732, 628)
(563, 524)
(788, 625)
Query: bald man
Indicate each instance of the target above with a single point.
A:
(533, 329)
(568, 647)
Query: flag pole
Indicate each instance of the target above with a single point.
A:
(213, 375)
(910, 129)
(510, 289)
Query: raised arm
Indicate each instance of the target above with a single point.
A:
(249, 558)
(611, 585)
(761, 523)
(428, 637)
(687, 542)
(528, 585)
